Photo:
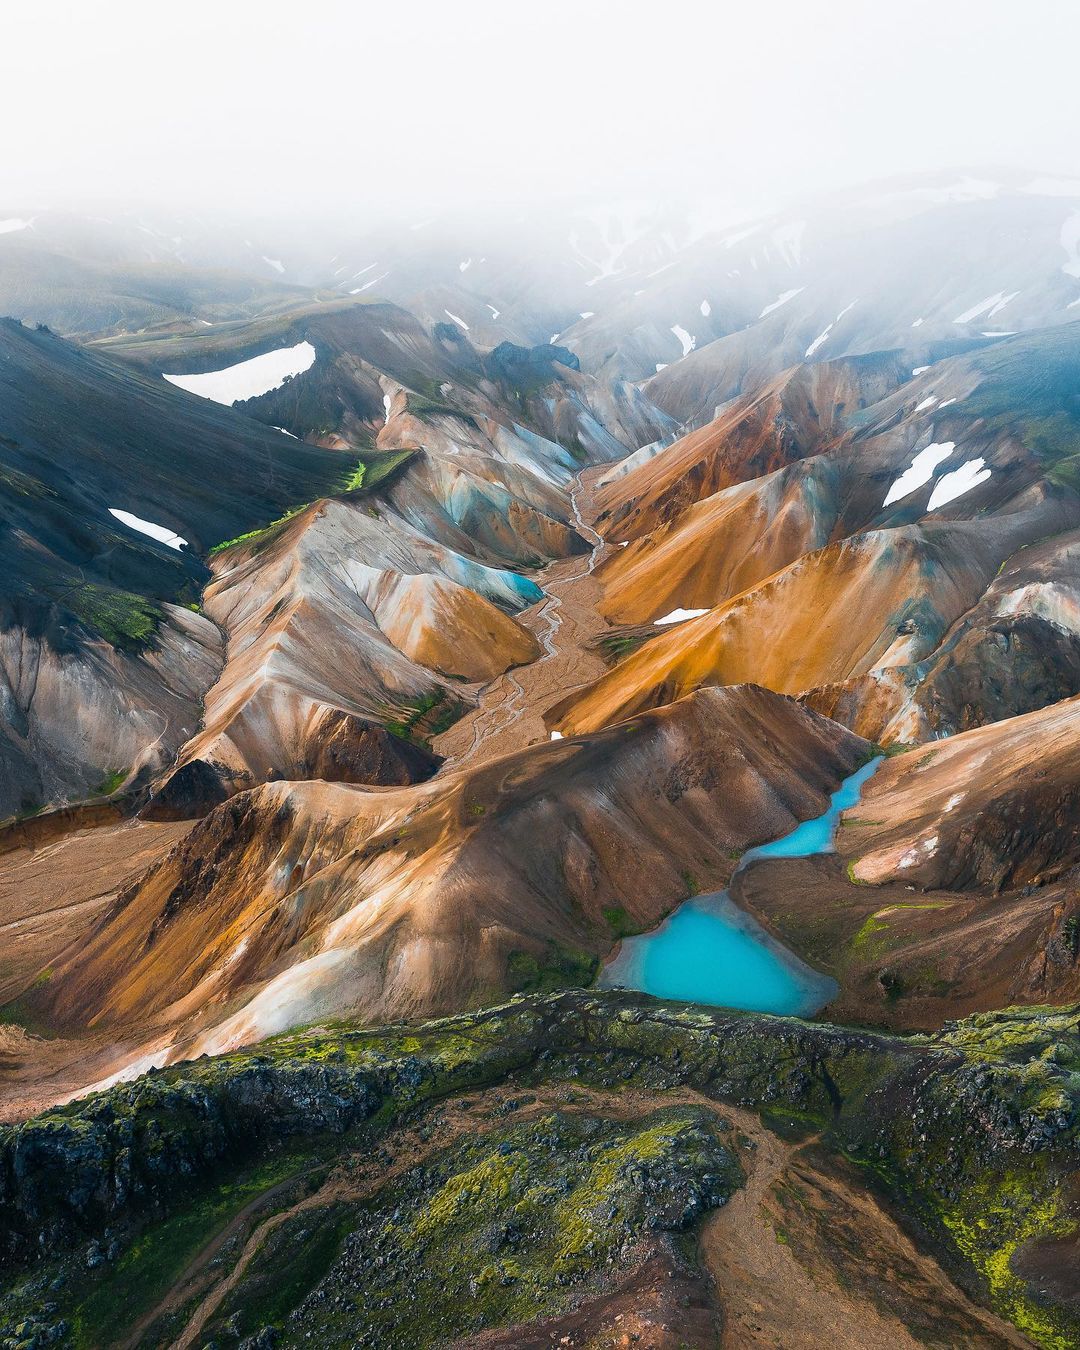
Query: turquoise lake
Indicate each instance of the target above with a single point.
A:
(709, 951)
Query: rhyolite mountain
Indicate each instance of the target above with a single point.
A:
(395, 620)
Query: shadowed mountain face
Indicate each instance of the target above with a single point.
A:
(102, 663)
(449, 607)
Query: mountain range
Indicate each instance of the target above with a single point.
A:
(422, 647)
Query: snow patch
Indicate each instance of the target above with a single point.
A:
(14, 223)
(823, 337)
(556, 736)
(706, 309)
(989, 306)
(955, 484)
(456, 319)
(927, 402)
(688, 342)
(275, 263)
(464, 266)
(781, 299)
(677, 616)
(920, 471)
(367, 284)
(249, 379)
(159, 532)
(919, 370)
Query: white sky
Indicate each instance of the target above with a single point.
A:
(314, 105)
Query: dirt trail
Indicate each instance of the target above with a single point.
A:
(509, 713)
(775, 1281)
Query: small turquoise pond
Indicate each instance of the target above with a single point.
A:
(709, 951)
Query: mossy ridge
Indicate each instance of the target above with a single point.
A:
(987, 1106)
(263, 534)
(503, 1228)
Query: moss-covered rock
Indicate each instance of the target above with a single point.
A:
(972, 1132)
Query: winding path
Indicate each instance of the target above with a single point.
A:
(504, 699)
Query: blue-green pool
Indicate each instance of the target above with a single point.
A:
(709, 951)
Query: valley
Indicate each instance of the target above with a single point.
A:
(545, 801)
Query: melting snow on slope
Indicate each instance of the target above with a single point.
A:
(926, 403)
(823, 337)
(249, 379)
(456, 319)
(275, 263)
(387, 402)
(373, 282)
(14, 223)
(990, 306)
(159, 532)
(464, 266)
(955, 484)
(706, 308)
(556, 736)
(781, 299)
(921, 470)
(919, 370)
(494, 311)
(918, 323)
(677, 616)
(688, 342)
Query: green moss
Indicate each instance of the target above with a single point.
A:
(102, 1306)
(262, 536)
(125, 620)
(559, 968)
(620, 922)
(426, 718)
(502, 1226)
(110, 783)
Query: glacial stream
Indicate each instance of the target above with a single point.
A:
(709, 951)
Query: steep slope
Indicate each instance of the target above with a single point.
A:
(297, 900)
(113, 482)
(341, 621)
(880, 599)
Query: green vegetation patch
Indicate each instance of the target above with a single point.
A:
(125, 620)
(262, 536)
(497, 1229)
(428, 717)
(558, 968)
(620, 922)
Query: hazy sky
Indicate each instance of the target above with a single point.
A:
(315, 106)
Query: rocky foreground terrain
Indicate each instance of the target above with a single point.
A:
(578, 1169)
